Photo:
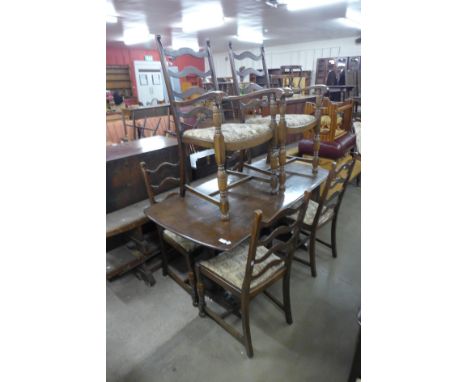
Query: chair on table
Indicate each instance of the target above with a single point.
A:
(253, 266)
(187, 248)
(336, 134)
(326, 210)
(208, 130)
(293, 123)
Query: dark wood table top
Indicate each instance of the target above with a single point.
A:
(198, 220)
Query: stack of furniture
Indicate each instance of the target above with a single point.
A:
(209, 222)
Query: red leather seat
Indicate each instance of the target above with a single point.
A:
(331, 150)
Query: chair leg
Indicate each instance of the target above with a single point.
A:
(282, 148)
(191, 278)
(220, 156)
(287, 299)
(245, 302)
(241, 160)
(165, 271)
(201, 294)
(313, 268)
(333, 237)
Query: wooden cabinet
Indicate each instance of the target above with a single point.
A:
(118, 79)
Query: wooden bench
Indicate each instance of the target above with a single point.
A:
(129, 222)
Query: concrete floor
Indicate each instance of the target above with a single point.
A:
(154, 334)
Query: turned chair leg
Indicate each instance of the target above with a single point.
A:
(274, 168)
(201, 294)
(287, 298)
(241, 160)
(313, 268)
(165, 271)
(282, 149)
(220, 156)
(246, 327)
(333, 237)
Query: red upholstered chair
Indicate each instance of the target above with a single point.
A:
(336, 135)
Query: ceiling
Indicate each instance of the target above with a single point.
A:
(279, 26)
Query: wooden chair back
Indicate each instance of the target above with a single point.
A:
(257, 103)
(282, 226)
(193, 107)
(158, 187)
(333, 192)
(333, 110)
(237, 74)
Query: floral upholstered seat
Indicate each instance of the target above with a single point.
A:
(293, 121)
(186, 244)
(235, 134)
(231, 265)
(312, 210)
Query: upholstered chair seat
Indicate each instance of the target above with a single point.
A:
(325, 121)
(331, 150)
(186, 244)
(312, 210)
(231, 265)
(296, 122)
(236, 135)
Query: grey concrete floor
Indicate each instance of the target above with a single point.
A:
(155, 334)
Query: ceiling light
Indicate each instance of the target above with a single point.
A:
(202, 16)
(348, 23)
(185, 42)
(137, 34)
(296, 5)
(111, 14)
(353, 15)
(249, 35)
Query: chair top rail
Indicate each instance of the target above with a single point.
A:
(247, 54)
(190, 70)
(174, 53)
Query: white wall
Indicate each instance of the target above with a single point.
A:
(305, 54)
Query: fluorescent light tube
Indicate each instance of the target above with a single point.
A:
(348, 23)
(137, 35)
(296, 5)
(111, 19)
(249, 35)
(202, 16)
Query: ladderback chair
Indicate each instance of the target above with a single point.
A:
(206, 106)
(252, 267)
(294, 123)
(185, 247)
(326, 210)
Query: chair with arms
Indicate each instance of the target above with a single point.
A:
(294, 123)
(206, 109)
(187, 248)
(253, 266)
(326, 210)
(336, 135)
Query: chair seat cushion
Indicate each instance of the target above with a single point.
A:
(331, 150)
(186, 244)
(311, 211)
(293, 121)
(325, 121)
(234, 133)
(231, 265)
